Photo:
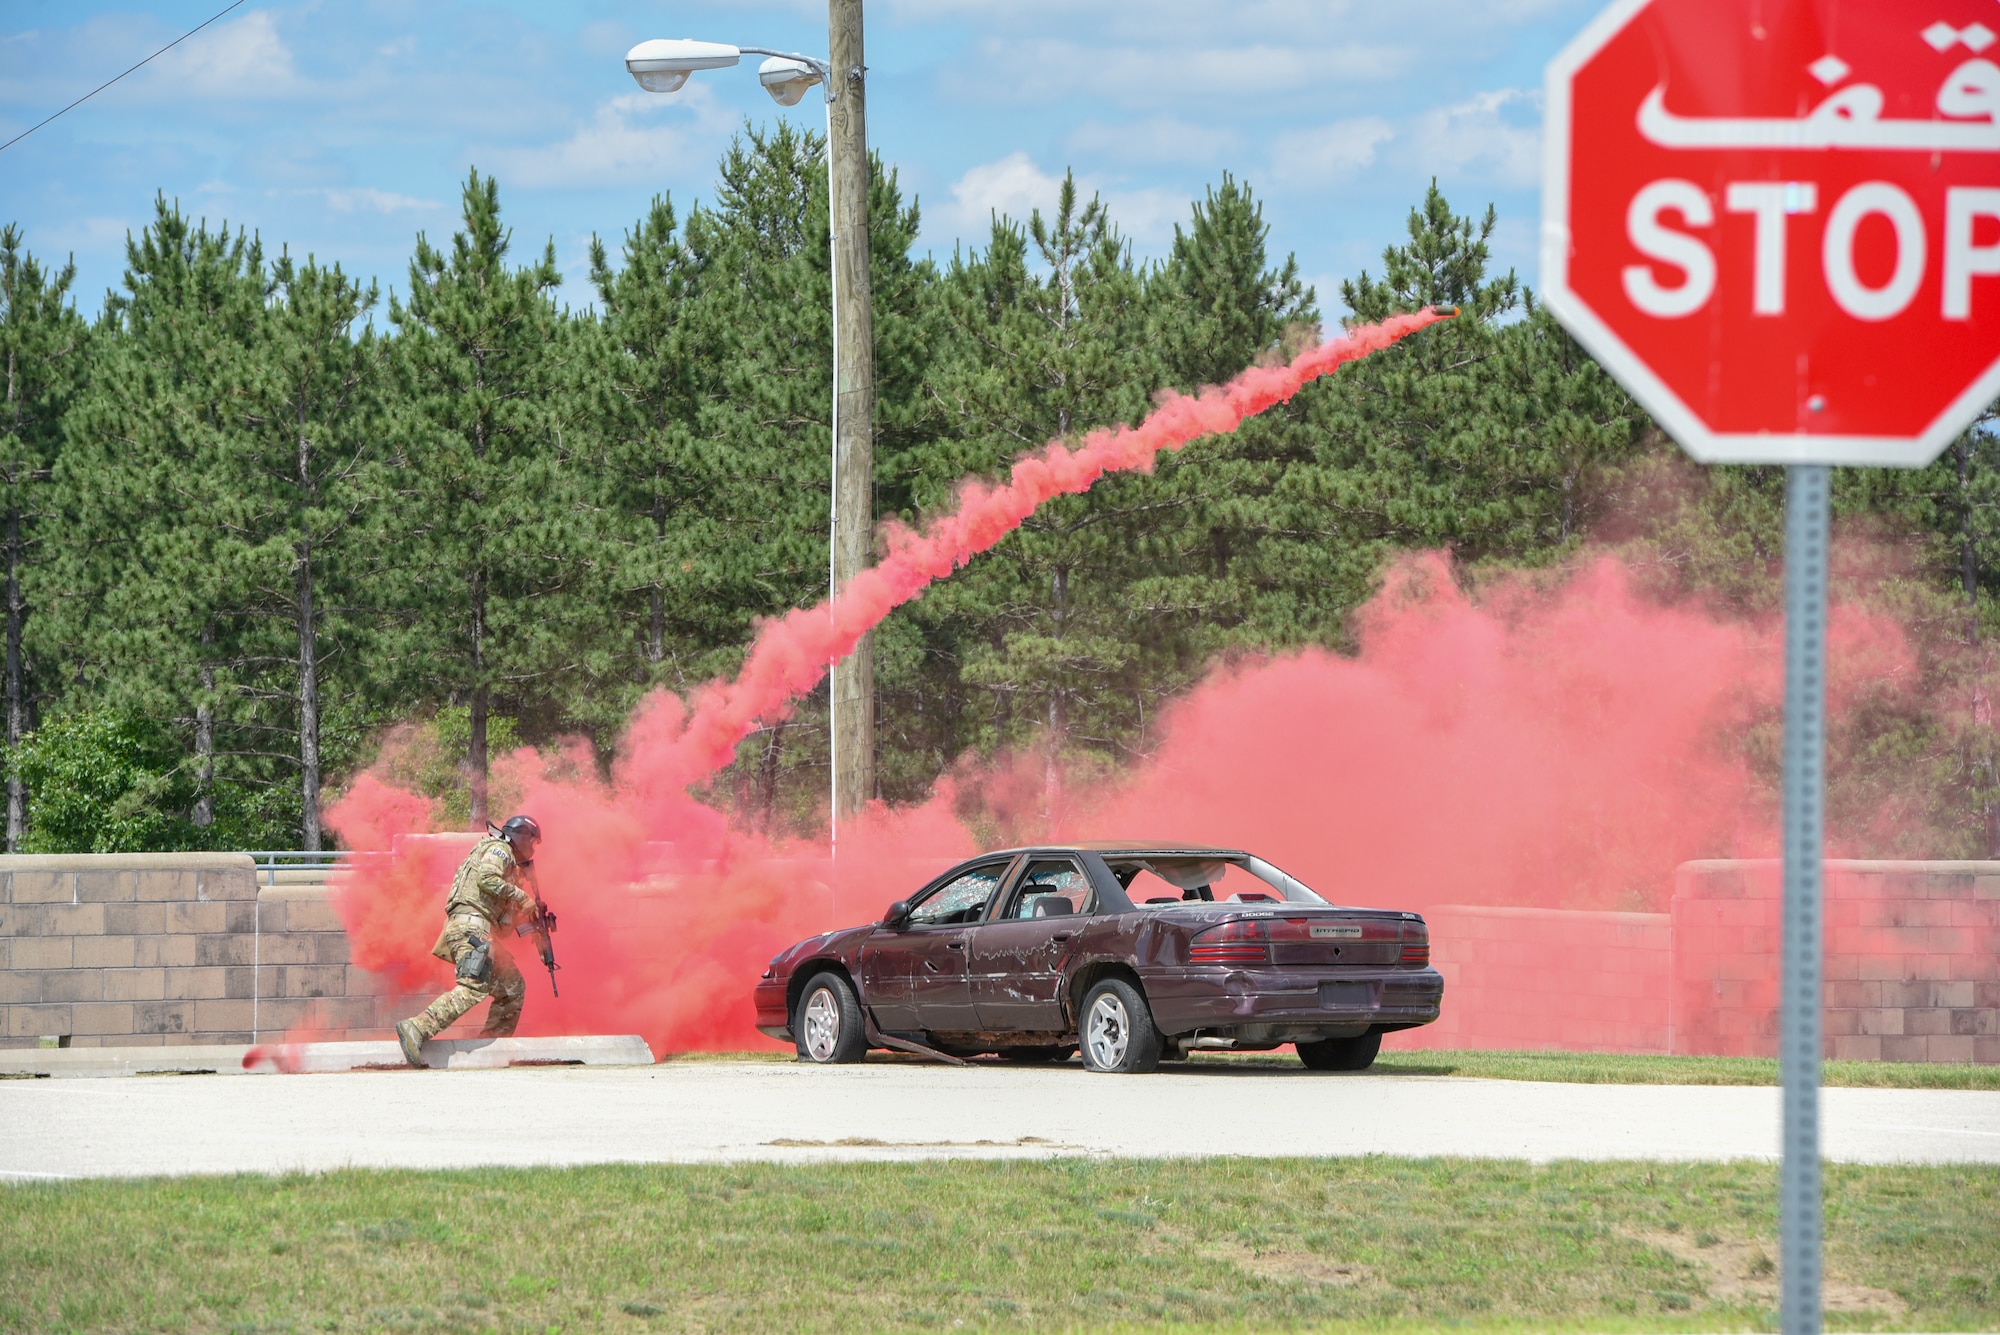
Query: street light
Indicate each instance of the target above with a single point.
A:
(786, 79)
(664, 66)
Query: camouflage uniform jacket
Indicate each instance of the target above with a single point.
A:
(489, 884)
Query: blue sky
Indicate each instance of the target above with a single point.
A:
(344, 128)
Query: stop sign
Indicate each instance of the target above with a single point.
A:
(1777, 222)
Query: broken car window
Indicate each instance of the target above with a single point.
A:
(1051, 888)
(963, 900)
(1161, 881)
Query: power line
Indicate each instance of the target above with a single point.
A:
(108, 82)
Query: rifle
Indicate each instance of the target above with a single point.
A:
(540, 926)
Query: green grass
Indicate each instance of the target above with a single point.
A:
(1345, 1244)
(1583, 1068)
(1593, 1068)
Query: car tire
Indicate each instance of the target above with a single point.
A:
(828, 1027)
(1342, 1054)
(1117, 1034)
(1034, 1056)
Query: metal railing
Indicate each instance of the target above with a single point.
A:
(271, 861)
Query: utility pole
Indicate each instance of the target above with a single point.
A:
(852, 681)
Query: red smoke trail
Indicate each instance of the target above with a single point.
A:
(669, 911)
(791, 654)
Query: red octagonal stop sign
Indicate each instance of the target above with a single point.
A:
(1778, 221)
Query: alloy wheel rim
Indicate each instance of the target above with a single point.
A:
(1110, 1031)
(822, 1024)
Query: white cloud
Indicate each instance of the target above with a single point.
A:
(1012, 187)
(1042, 72)
(1162, 139)
(1310, 20)
(1328, 153)
(246, 58)
(85, 234)
(606, 37)
(360, 199)
(1015, 187)
(1494, 136)
(1148, 216)
(618, 146)
(1516, 245)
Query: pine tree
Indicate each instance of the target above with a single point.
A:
(1217, 306)
(43, 349)
(488, 509)
(293, 482)
(1047, 338)
(135, 604)
(753, 328)
(644, 380)
(1492, 433)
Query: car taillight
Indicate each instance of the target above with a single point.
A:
(1239, 942)
(1416, 944)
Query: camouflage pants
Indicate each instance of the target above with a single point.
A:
(504, 984)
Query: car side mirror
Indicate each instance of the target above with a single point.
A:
(897, 914)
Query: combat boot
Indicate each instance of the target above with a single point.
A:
(412, 1042)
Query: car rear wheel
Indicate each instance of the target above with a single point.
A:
(1342, 1054)
(828, 1026)
(1117, 1031)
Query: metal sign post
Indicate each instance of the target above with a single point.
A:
(1771, 221)
(1803, 933)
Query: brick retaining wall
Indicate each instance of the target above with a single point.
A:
(1512, 977)
(120, 950)
(1912, 968)
(1912, 959)
(169, 948)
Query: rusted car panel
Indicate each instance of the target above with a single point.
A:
(996, 954)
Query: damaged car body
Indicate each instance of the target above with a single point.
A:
(1133, 953)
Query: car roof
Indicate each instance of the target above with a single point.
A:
(1149, 847)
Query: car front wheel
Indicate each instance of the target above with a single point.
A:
(1341, 1054)
(828, 1026)
(1117, 1031)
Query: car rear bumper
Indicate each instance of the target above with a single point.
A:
(1219, 998)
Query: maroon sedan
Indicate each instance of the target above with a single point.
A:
(1133, 952)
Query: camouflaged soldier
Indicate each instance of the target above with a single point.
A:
(485, 894)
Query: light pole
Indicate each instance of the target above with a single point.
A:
(663, 66)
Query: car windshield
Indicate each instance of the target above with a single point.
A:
(1159, 881)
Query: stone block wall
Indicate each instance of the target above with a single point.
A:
(1912, 959)
(1912, 968)
(121, 950)
(1518, 978)
(171, 948)
(306, 984)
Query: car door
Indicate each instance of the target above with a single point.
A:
(1015, 957)
(915, 974)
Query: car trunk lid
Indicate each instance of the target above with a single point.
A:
(1292, 937)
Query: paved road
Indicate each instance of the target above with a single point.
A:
(717, 1111)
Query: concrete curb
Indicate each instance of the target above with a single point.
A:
(451, 1054)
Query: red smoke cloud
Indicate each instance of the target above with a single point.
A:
(1561, 745)
(666, 911)
(1562, 748)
